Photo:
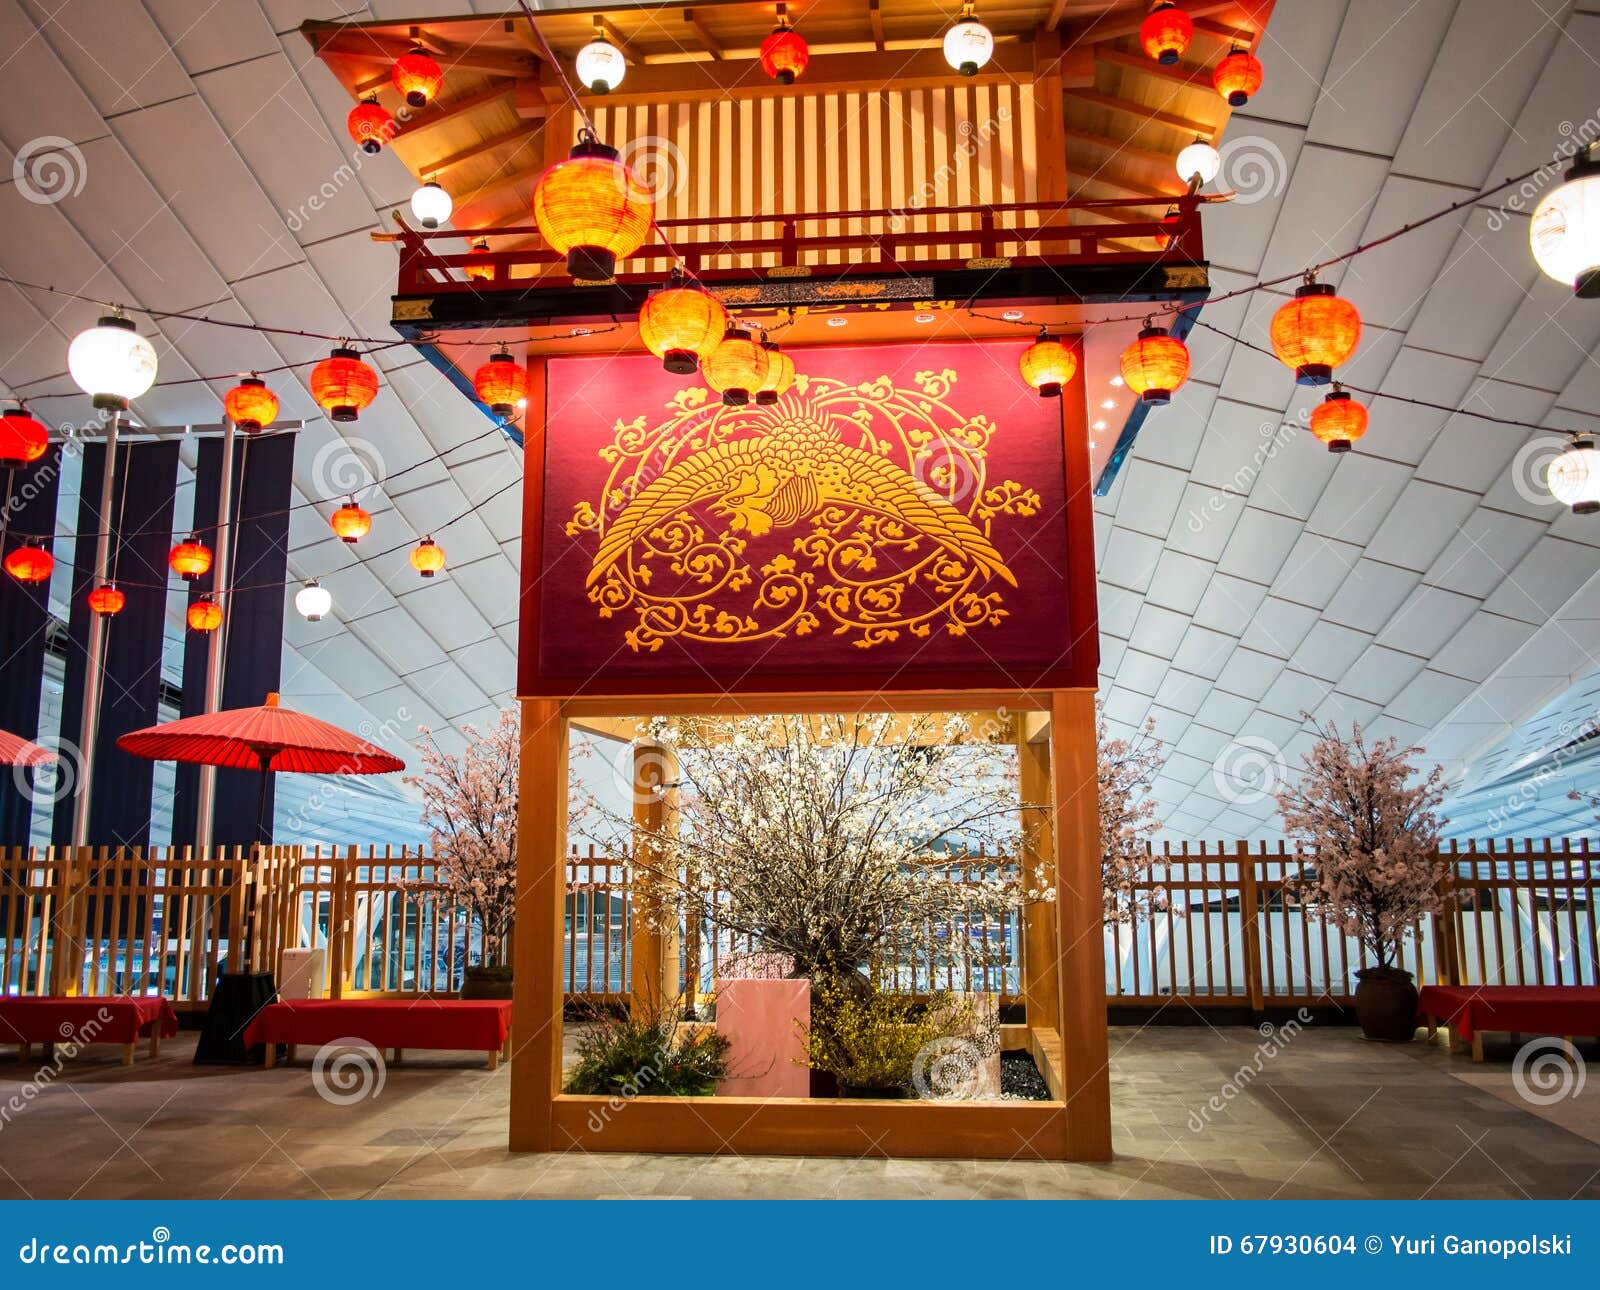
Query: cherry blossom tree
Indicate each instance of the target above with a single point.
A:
(1367, 819)
(1127, 821)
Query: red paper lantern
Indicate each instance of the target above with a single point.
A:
(1170, 220)
(30, 564)
(427, 557)
(681, 325)
(1338, 421)
(1238, 76)
(250, 404)
(736, 368)
(205, 615)
(592, 209)
(342, 385)
(501, 383)
(350, 521)
(23, 439)
(1315, 332)
(1047, 365)
(1166, 32)
(779, 377)
(784, 54)
(190, 559)
(481, 272)
(370, 125)
(106, 601)
(418, 77)
(1155, 365)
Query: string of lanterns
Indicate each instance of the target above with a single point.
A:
(1165, 34)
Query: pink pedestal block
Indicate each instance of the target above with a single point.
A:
(765, 1023)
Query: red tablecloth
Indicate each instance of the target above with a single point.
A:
(479, 1025)
(84, 1019)
(1529, 1009)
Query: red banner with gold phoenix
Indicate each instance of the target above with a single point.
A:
(905, 517)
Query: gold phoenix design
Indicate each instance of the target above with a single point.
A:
(885, 490)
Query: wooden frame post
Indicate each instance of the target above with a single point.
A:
(541, 897)
(1041, 979)
(1086, 1081)
(655, 983)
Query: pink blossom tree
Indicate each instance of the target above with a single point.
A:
(1127, 821)
(1367, 819)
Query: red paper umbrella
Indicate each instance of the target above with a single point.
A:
(269, 738)
(17, 751)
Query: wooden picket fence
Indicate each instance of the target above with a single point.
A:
(1228, 927)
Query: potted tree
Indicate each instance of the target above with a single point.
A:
(1366, 819)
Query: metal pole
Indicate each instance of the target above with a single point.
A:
(89, 726)
(220, 569)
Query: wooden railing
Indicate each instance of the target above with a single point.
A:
(1228, 928)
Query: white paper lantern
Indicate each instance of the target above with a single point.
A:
(1574, 477)
(968, 45)
(312, 601)
(431, 204)
(601, 66)
(1201, 159)
(1565, 230)
(112, 362)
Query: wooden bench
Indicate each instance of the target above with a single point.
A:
(471, 1025)
(1470, 1011)
(80, 1020)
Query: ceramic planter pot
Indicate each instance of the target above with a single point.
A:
(1386, 1004)
(486, 983)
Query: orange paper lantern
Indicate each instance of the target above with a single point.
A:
(106, 601)
(681, 325)
(250, 404)
(1047, 365)
(1169, 220)
(1338, 421)
(1315, 332)
(1238, 76)
(1155, 365)
(342, 385)
(23, 438)
(501, 383)
(418, 77)
(1166, 32)
(779, 377)
(370, 125)
(190, 559)
(350, 522)
(427, 557)
(592, 209)
(205, 615)
(736, 368)
(482, 272)
(30, 564)
(784, 54)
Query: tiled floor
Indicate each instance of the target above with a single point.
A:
(1327, 1116)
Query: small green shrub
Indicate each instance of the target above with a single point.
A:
(629, 1057)
(867, 1038)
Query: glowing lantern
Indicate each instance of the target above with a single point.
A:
(501, 383)
(1565, 230)
(106, 601)
(592, 209)
(205, 615)
(1238, 76)
(1199, 163)
(190, 559)
(1166, 32)
(427, 557)
(350, 522)
(482, 272)
(342, 385)
(1047, 365)
(736, 367)
(784, 54)
(431, 204)
(23, 439)
(370, 125)
(1155, 365)
(600, 65)
(1339, 421)
(312, 601)
(779, 377)
(681, 325)
(30, 564)
(1169, 220)
(968, 45)
(418, 77)
(250, 404)
(1315, 332)
(112, 362)
(1573, 477)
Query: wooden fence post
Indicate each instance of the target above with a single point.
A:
(1446, 928)
(1250, 925)
(1040, 982)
